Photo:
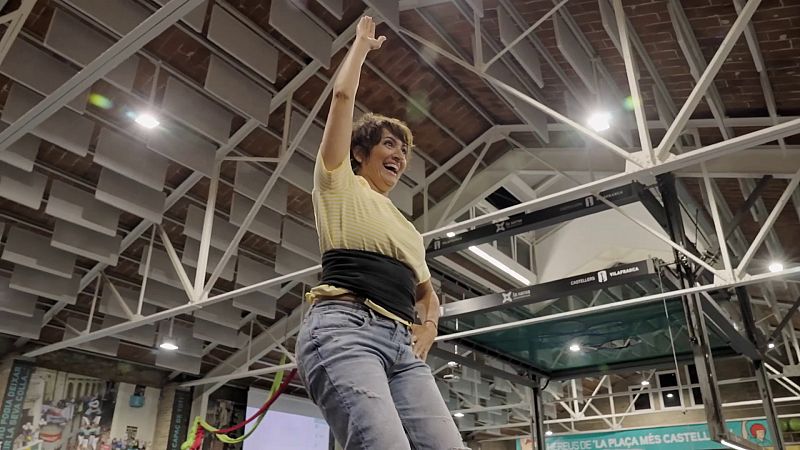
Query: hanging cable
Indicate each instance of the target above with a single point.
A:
(672, 345)
(198, 430)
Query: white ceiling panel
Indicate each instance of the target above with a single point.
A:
(573, 52)
(130, 196)
(21, 154)
(162, 270)
(222, 231)
(251, 272)
(290, 21)
(85, 242)
(45, 285)
(523, 51)
(81, 44)
(213, 332)
(105, 346)
(33, 250)
(184, 147)
(257, 302)
(22, 326)
(109, 303)
(222, 314)
(196, 111)
(403, 198)
(131, 158)
(195, 18)
(287, 261)
(164, 295)
(309, 145)
(243, 43)
(266, 224)
(335, 7)
(16, 302)
(25, 188)
(65, 128)
(176, 361)
(121, 16)
(144, 335)
(191, 249)
(300, 172)
(77, 206)
(301, 239)
(182, 334)
(239, 91)
(388, 9)
(250, 181)
(38, 70)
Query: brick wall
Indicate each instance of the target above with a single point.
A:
(161, 434)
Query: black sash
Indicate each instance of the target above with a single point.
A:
(382, 279)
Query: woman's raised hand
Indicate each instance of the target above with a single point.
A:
(365, 33)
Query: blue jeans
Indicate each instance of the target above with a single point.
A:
(374, 393)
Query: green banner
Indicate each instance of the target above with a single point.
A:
(181, 416)
(682, 437)
(11, 409)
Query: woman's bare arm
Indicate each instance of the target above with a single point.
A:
(335, 147)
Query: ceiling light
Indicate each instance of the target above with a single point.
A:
(168, 345)
(775, 267)
(548, 433)
(732, 445)
(771, 345)
(493, 261)
(147, 120)
(670, 395)
(600, 121)
(168, 342)
(450, 234)
(458, 415)
(575, 348)
(452, 364)
(645, 383)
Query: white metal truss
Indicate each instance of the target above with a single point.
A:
(638, 166)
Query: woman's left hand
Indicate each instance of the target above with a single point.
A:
(422, 337)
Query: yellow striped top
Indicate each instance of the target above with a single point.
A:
(350, 215)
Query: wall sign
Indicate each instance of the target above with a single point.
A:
(534, 220)
(683, 437)
(591, 281)
(11, 415)
(179, 423)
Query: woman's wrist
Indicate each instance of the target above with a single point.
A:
(361, 46)
(431, 321)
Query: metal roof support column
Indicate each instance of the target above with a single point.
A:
(537, 418)
(695, 318)
(759, 366)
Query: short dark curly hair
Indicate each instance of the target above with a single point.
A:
(368, 130)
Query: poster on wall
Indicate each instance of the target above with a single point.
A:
(12, 406)
(179, 422)
(224, 413)
(47, 409)
(683, 437)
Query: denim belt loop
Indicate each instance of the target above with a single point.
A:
(372, 315)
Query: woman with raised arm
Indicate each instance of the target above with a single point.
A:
(359, 352)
